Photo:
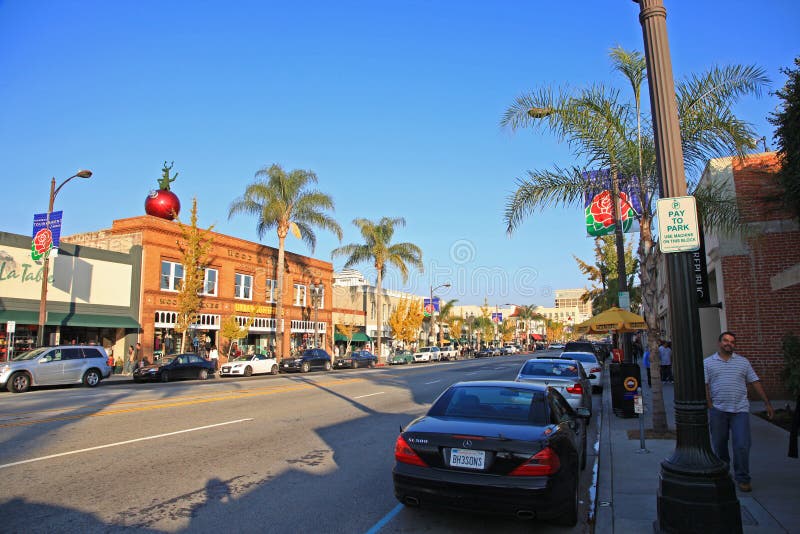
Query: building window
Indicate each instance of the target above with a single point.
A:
(299, 295)
(244, 286)
(271, 285)
(171, 275)
(210, 283)
(318, 296)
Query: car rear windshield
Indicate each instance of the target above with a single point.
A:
(492, 402)
(580, 356)
(543, 368)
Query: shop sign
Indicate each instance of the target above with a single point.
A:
(11, 327)
(251, 308)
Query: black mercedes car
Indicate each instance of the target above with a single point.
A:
(356, 359)
(174, 367)
(495, 446)
(308, 360)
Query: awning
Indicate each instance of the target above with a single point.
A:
(70, 319)
(358, 337)
(537, 337)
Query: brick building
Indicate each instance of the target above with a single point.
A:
(756, 277)
(240, 281)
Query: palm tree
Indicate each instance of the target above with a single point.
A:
(378, 249)
(284, 201)
(528, 313)
(445, 317)
(605, 131)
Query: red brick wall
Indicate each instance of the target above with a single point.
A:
(758, 315)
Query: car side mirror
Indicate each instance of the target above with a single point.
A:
(592, 376)
(583, 413)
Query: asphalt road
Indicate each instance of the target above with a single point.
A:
(291, 453)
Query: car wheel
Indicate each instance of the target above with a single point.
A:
(274, 370)
(248, 371)
(91, 378)
(137, 380)
(305, 367)
(327, 365)
(164, 376)
(372, 364)
(19, 383)
(203, 374)
(570, 516)
(354, 364)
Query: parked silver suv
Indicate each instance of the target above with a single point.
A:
(47, 366)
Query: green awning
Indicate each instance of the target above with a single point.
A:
(70, 319)
(358, 337)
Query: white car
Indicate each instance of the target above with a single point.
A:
(427, 354)
(590, 364)
(249, 365)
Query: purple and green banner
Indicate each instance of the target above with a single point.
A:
(46, 233)
(599, 207)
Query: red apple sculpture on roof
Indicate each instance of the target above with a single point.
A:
(163, 202)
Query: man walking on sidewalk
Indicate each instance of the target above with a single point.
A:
(727, 375)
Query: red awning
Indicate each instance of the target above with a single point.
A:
(537, 337)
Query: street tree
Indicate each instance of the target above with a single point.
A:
(231, 330)
(347, 330)
(445, 318)
(406, 320)
(603, 275)
(606, 131)
(286, 201)
(194, 246)
(379, 250)
(787, 133)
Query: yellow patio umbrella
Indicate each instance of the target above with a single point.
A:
(613, 319)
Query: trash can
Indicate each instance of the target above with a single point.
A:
(625, 379)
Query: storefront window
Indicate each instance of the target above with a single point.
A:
(171, 275)
(244, 286)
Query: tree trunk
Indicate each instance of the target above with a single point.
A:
(379, 312)
(279, 276)
(648, 260)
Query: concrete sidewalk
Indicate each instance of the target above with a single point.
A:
(628, 480)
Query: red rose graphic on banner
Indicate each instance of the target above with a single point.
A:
(600, 214)
(42, 243)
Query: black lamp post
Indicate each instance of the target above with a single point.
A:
(433, 313)
(696, 493)
(46, 267)
(316, 295)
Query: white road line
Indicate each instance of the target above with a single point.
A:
(433, 382)
(2, 466)
(370, 395)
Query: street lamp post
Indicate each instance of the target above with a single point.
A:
(696, 493)
(434, 326)
(316, 295)
(46, 267)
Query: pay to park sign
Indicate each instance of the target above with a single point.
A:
(677, 225)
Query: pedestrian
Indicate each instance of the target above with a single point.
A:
(336, 351)
(665, 355)
(646, 362)
(138, 353)
(727, 375)
(128, 366)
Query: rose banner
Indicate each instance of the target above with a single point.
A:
(46, 233)
(599, 207)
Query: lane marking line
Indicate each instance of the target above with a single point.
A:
(146, 438)
(370, 395)
(385, 520)
(432, 382)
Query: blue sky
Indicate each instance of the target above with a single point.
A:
(395, 105)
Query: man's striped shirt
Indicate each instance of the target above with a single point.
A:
(727, 381)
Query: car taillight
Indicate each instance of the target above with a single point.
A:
(595, 370)
(544, 462)
(575, 389)
(403, 453)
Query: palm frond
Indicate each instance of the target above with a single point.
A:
(543, 189)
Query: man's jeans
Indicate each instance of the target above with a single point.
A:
(738, 426)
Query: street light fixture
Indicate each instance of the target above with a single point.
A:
(46, 259)
(696, 492)
(433, 313)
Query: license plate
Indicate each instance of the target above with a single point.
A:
(467, 458)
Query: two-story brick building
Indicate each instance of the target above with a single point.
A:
(240, 281)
